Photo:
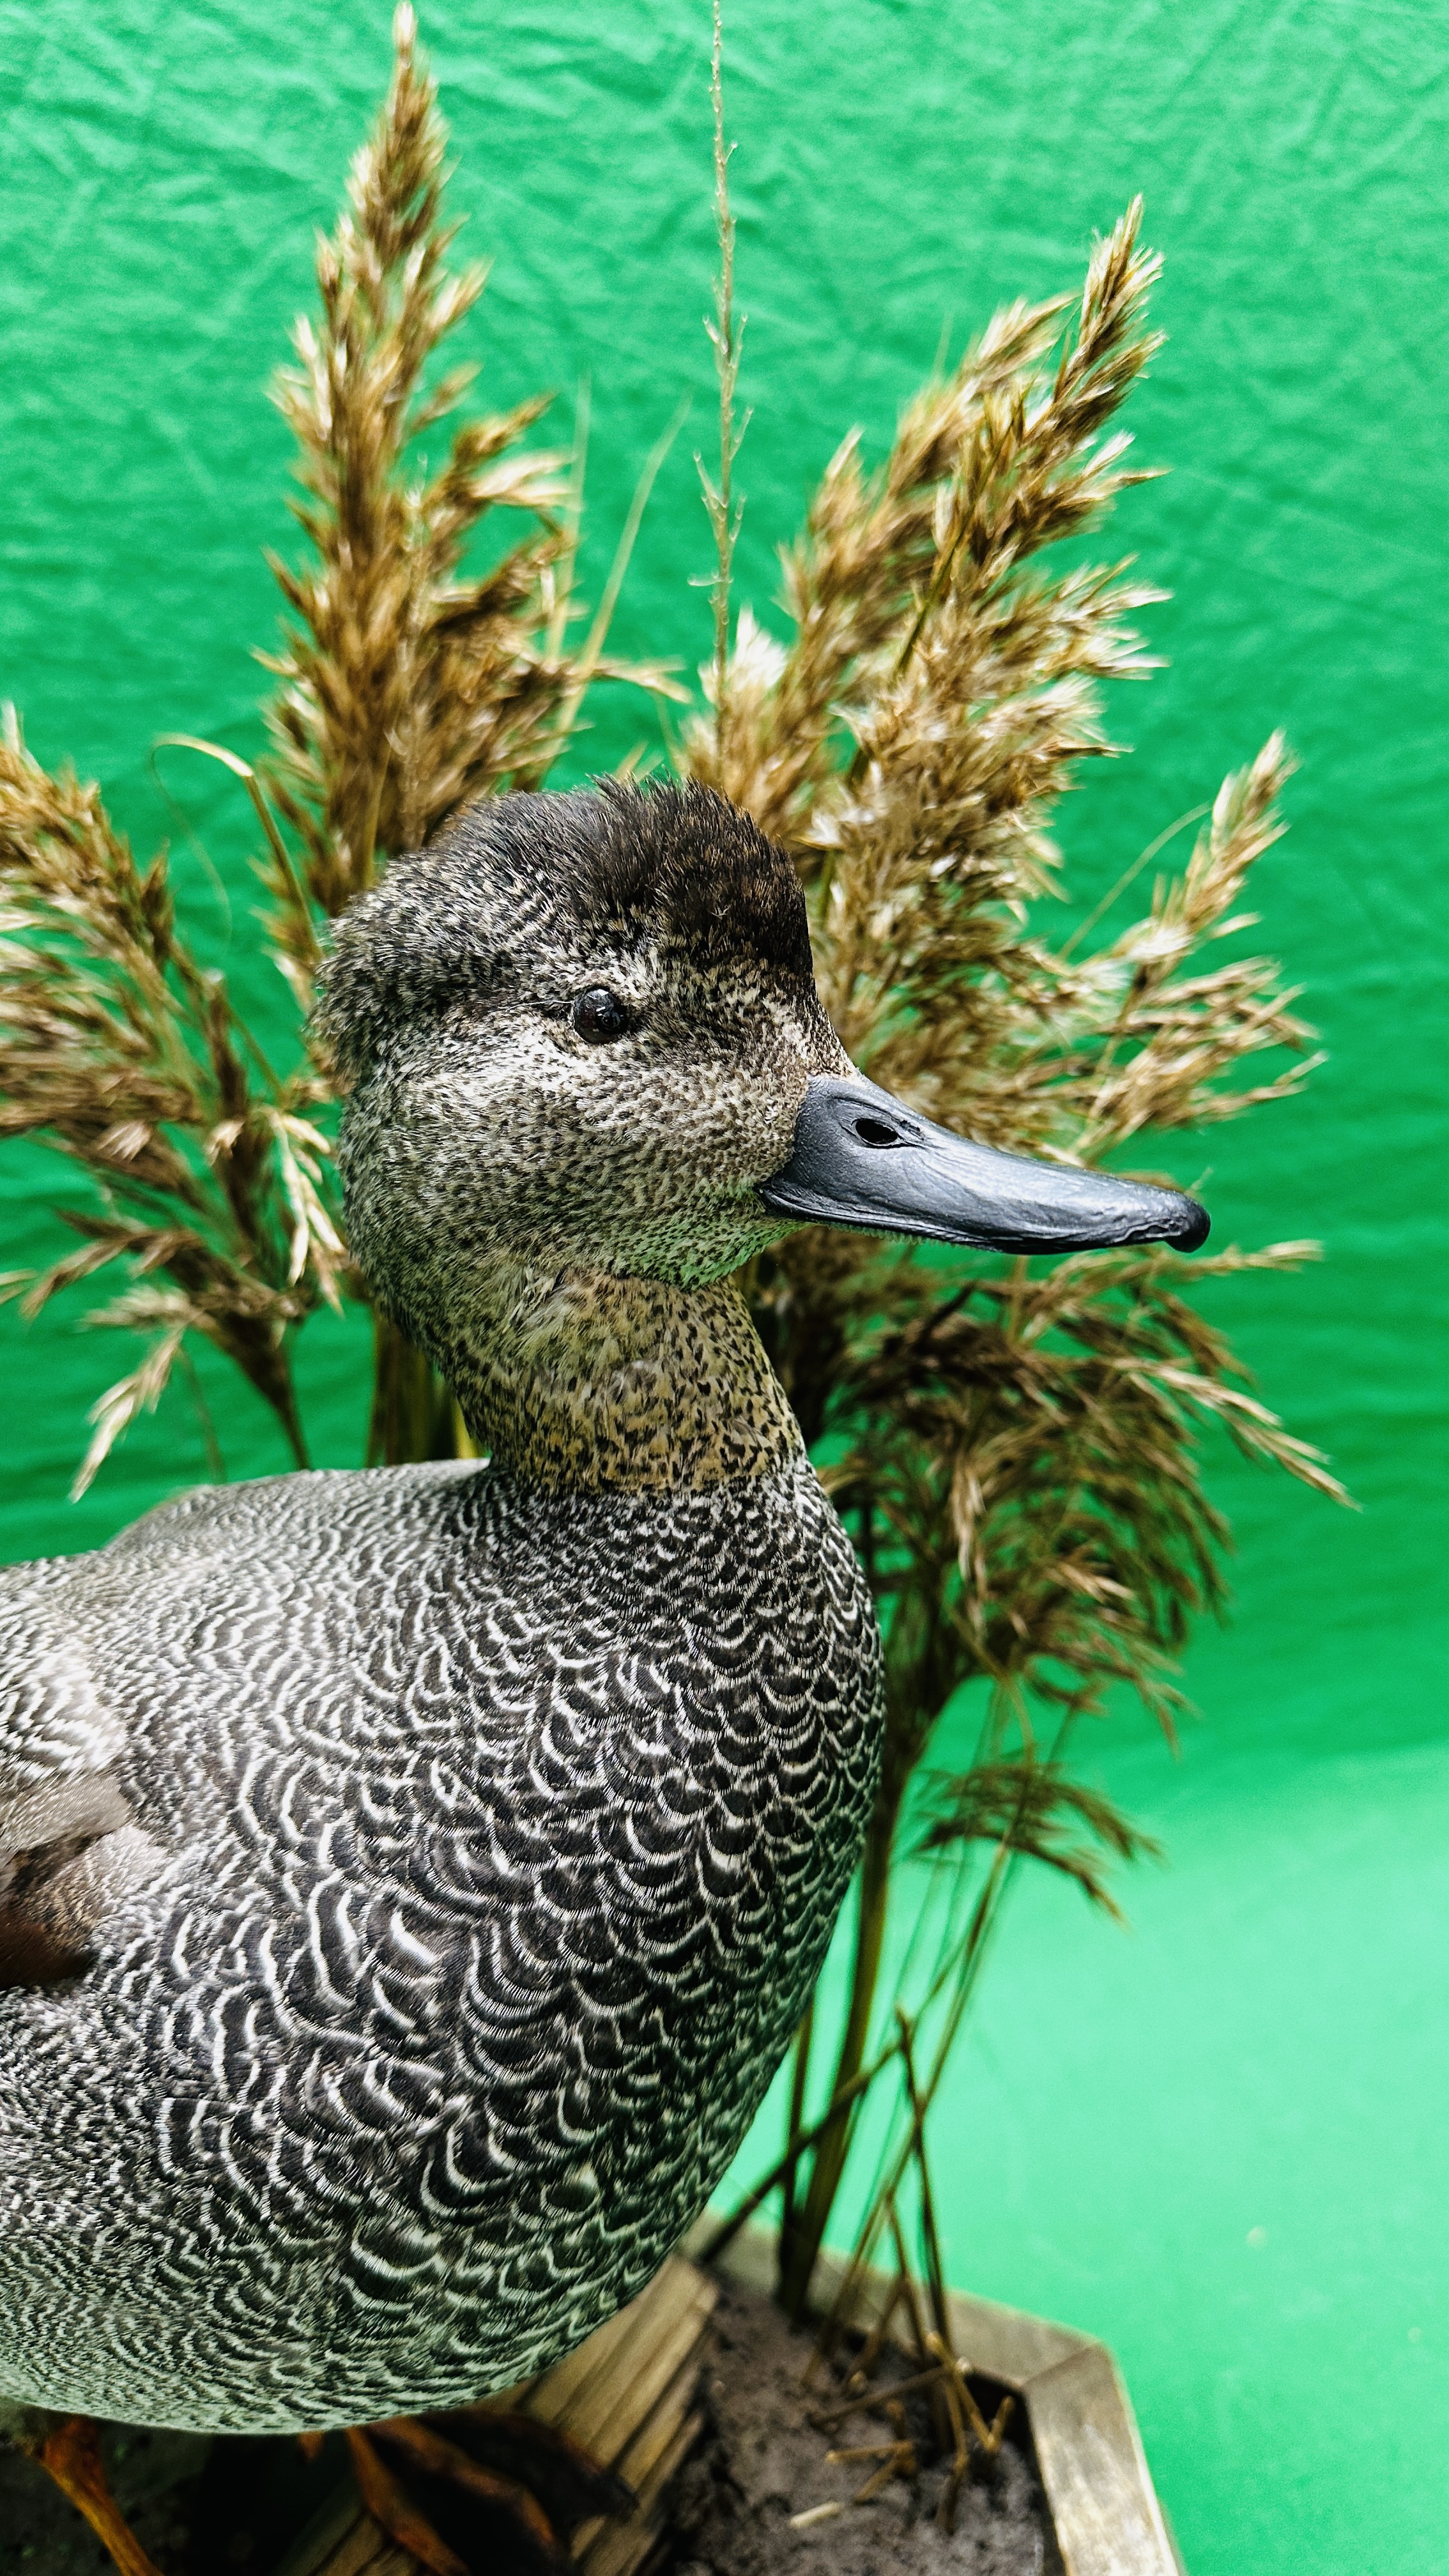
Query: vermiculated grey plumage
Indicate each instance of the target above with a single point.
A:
(410, 1882)
(495, 1840)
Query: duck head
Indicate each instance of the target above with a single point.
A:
(588, 1075)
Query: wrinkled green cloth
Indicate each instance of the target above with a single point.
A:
(1217, 2143)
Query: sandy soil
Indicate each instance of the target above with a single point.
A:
(765, 2461)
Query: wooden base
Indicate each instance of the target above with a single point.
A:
(627, 2396)
(1094, 2471)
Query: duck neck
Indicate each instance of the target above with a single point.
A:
(583, 1380)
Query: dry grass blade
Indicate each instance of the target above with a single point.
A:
(1153, 1041)
(120, 1050)
(411, 682)
(140, 1391)
(1030, 1807)
(726, 333)
(303, 932)
(850, 581)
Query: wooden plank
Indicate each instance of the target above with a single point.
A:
(563, 2388)
(655, 2441)
(614, 2405)
(1006, 2344)
(625, 2395)
(345, 2541)
(659, 2429)
(1108, 2519)
(621, 2548)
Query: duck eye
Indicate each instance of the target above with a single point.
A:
(599, 1014)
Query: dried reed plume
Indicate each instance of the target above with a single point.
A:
(121, 1052)
(1015, 1446)
(406, 686)
(410, 685)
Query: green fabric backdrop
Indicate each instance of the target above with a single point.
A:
(1219, 2141)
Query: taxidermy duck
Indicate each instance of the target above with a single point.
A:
(413, 1878)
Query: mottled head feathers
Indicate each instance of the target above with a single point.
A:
(518, 881)
(688, 863)
(575, 1034)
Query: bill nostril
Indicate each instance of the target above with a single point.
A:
(874, 1131)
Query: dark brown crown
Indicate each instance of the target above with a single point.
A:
(522, 874)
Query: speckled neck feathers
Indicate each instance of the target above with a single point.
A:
(584, 1381)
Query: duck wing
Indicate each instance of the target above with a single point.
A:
(69, 1841)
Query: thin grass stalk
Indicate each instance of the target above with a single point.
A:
(794, 2123)
(413, 1413)
(728, 2229)
(794, 2292)
(724, 513)
(935, 2276)
(798, 2262)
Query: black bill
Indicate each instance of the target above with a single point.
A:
(861, 1159)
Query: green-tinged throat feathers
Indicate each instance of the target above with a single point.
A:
(587, 1380)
